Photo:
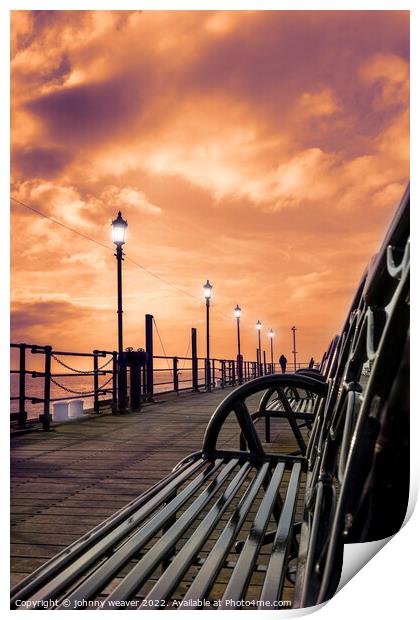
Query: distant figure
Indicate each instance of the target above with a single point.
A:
(283, 362)
(311, 362)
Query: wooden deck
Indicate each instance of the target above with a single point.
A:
(68, 480)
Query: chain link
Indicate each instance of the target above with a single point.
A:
(89, 393)
(66, 389)
(105, 364)
(100, 387)
(82, 372)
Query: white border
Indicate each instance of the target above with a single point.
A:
(387, 585)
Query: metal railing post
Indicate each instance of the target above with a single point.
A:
(233, 373)
(95, 382)
(114, 381)
(149, 349)
(46, 417)
(265, 363)
(143, 380)
(213, 373)
(22, 415)
(194, 360)
(223, 373)
(175, 373)
(122, 385)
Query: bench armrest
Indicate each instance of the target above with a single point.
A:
(235, 401)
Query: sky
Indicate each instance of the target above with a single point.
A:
(265, 151)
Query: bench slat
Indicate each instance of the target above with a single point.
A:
(54, 575)
(274, 579)
(136, 577)
(111, 566)
(205, 578)
(247, 559)
(182, 561)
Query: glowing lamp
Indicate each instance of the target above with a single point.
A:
(119, 230)
(237, 311)
(207, 290)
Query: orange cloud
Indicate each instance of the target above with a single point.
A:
(323, 103)
(263, 150)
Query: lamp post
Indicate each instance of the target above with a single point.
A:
(238, 320)
(294, 347)
(271, 336)
(119, 230)
(259, 328)
(207, 296)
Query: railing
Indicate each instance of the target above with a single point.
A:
(223, 372)
(54, 378)
(165, 375)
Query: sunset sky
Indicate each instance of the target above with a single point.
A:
(265, 151)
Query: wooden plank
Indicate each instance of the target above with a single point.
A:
(65, 482)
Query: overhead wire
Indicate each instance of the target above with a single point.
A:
(109, 247)
(161, 343)
(104, 245)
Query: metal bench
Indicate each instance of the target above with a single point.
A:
(358, 453)
(296, 405)
(221, 529)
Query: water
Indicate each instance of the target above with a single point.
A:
(163, 380)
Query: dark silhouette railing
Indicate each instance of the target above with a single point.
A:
(170, 374)
(55, 378)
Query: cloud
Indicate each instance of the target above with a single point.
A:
(118, 198)
(391, 74)
(265, 150)
(40, 161)
(323, 103)
(89, 112)
(92, 259)
(64, 202)
(56, 322)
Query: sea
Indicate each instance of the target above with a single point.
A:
(163, 382)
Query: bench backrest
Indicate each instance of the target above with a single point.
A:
(358, 453)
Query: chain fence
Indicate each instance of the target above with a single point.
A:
(82, 372)
(78, 392)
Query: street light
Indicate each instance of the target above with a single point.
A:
(207, 296)
(119, 230)
(271, 336)
(239, 359)
(259, 328)
(294, 347)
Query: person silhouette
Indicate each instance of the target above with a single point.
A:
(283, 362)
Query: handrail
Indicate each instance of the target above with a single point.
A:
(50, 377)
(184, 373)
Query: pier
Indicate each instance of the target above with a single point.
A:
(66, 481)
(209, 306)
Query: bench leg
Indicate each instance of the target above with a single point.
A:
(292, 421)
(267, 427)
